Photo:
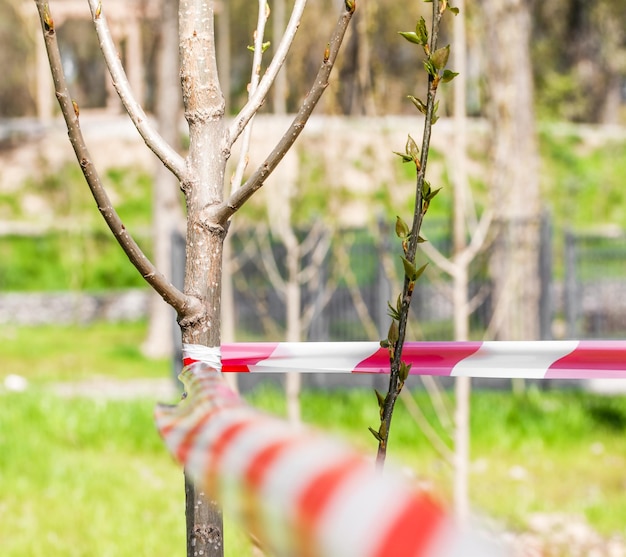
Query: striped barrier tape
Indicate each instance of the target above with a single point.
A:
(300, 492)
(568, 359)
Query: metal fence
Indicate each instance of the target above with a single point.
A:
(354, 309)
(594, 285)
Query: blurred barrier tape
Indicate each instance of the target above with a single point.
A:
(300, 492)
(568, 359)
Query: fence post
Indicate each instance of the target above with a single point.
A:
(570, 285)
(546, 308)
(178, 279)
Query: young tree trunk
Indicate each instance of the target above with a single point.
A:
(460, 277)
(203, 188)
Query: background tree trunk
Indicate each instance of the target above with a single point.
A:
(514, 179)
(166, 203)
(460, 277)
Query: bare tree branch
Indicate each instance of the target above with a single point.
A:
(465, 256)
(257, 99)
(435, 440)
(435, 395)
(440, 260)
(181, 303)
(165, 152)
(263, 311)
(371, 331)
(317, 243)
(269, 261)
(242, 163)
(220, 214)
(479, 237)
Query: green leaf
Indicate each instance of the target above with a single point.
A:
(420, 271)
(421, 240)
(411, 149)
(264, 47)
(411, 36)
(421, 31)
(448, 75)
(425, 189)
(430, 68)
(380, 398)
(432, 193)
(455, 11)
(403, 372)
(409, 269)
(391, 312)
(375, 434)
(393, 334)
(439, 58)
(418, 103)
(434, 118)
(404, 156)
(402, 228)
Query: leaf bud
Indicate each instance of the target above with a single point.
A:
(402, 228)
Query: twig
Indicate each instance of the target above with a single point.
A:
(435, 440)
(434, 65)
(165, 152)
(242, 163)
(269, 262)
(181, 303)
(438, 402)
(221, 213)
(257, 99)
(352, 283)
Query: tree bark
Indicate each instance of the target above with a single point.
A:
(206, 163)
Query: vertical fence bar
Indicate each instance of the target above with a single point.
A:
(570, 285)
(546, 306)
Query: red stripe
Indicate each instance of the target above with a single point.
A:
(255, 476)
(219, 447)
(602, 358)
(187, 442)
(411, 533)
(262, 462)
(428, 358)
(239, 357)
(315, 497)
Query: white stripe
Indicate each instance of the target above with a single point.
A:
(203, 444)
(359, 514)
(451, 541)
(312, 357)
(525, 359)
(284, 482)
(207, 354)
(237, 458)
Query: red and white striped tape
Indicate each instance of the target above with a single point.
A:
(568, 359)
(298, 491)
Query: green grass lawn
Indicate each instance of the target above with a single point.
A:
(91, 477)
(71, 353)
